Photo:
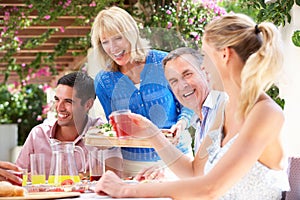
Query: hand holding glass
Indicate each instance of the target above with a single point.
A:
(21, 174)
(127, 124)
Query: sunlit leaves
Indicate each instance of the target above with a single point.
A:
(296, 38)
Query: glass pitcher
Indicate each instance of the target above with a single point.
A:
(63, 165)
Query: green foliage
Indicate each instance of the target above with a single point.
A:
(277, 12)
(176, 23)
(296, 38)
(273, 92)
(22, 106)
(238, 6)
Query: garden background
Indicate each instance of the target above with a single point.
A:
(167, 24)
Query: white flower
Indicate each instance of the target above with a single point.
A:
(270, 1)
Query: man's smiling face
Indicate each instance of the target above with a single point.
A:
(187, 81)
(68, 106)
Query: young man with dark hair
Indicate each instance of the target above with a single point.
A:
(74, 97)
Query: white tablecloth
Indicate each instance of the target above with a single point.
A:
(95, 196)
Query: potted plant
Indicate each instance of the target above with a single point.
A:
(23, 105)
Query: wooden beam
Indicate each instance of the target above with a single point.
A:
(54, 26)
(68, 33)
(46, 51)
(21, 60)
(37, 80)
(59, 68)
(12, 3)
(33, 55)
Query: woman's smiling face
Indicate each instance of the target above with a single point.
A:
(117, 48)
(187, 81)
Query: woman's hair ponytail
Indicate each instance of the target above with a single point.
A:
(259, 48)
(261, 68)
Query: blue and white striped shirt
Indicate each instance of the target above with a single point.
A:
(209, 111)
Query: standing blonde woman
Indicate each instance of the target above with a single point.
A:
(241, 157)
(133, 78)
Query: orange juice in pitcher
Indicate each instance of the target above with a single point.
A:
(63, 165)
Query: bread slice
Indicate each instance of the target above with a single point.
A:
(9, 190)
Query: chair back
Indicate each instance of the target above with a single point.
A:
(294, 179)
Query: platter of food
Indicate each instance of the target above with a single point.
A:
(44, 195)
(104, 136)
(109, 141)
(12, 192)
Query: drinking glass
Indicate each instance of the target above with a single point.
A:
(24, 177)
(121, 117)
(37, 163)
(96, 164)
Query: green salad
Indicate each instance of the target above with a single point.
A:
(107, 130)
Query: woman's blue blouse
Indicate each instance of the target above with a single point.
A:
(153, 99)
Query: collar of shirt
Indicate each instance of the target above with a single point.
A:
(208, 104)
(204, 111)
(90, 122)
(211, 99)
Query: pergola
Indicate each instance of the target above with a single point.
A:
(66, 62)
(63, 63)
